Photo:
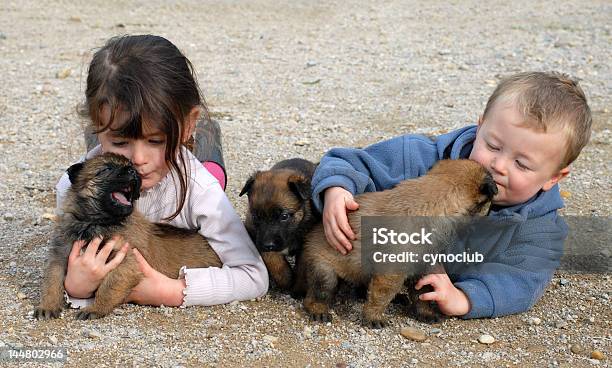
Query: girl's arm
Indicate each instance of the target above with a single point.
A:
(243, 275)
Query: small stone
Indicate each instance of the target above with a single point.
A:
(9, 216)
(596, 354)
(577, 349)
(413, 334)
(435, 331)
(346, 345)
(63, 74)
(565, 194)
(92, 334)
(341, 365)
(564, 282)
(534, 321)
(301, 143)
(591, 320)
(594, 361)
(50, 216)
(307, 332)
(2, 36)
(13, 264)
(270, 339)
(486, 339)
(21, 295)
(75, 19)
(560, 324)
(53, 340)
(414, 361)
(310, 64)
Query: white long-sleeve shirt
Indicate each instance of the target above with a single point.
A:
(243, 275)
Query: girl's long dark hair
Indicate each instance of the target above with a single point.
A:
(151, 79)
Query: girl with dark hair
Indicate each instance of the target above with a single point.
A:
(143, 102)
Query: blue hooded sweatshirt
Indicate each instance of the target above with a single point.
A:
(524, 251)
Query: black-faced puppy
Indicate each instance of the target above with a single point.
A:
(280, 214)
(100, 203)
(452, 188)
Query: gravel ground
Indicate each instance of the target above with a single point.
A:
(295, 79)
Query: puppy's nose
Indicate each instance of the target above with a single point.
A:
(488, 187)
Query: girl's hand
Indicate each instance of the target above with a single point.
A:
(450, 300)
(156, 288)
(86, 271)
(335, 221)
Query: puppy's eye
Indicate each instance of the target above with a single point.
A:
(285, 216)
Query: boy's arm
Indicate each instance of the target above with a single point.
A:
(515, 280)
(374, 168)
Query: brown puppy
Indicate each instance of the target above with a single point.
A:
(100, 204)
(280, 214)
(450, 188)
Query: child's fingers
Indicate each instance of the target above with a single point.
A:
(328, 228)
(92, 247)
(76, 250)
(344, 225)
(108, 248)
(351, 204)
(431, 296)
(117, 259)
(426, 280)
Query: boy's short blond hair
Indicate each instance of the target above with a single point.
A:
(549, 100)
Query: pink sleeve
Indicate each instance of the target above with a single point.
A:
(217, 171)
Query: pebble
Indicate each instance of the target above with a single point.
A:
(577, 349)
(9, 217)
(414, 361)
(594, 361)
(560, 324)
(21, 295)
(307, 332)
(53, 340)
(486, 339)
(596, 354)
(413, 334)
(435, 331)
(63, 74)
(564, 282)
(91, 333)
(270, 339)
(534, 321)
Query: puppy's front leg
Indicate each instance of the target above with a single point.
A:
(114, 290)
(322, 282)
(52, 290)
(279, 269)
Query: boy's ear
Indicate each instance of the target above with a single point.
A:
(480, 120)
(190, 122)
(556, 178)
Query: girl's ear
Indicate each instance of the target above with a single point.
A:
(190, 122)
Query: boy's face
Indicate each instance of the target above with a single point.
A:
(522, 161)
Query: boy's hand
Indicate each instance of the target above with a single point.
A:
(335, 221)
(450, 300)
(156, 288)
(86, 271)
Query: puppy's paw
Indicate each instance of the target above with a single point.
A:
(375, 323)
(427, 312)
(321, 317)
(85, 315)
(41, 313)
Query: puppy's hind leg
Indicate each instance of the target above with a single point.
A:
(322, 282)
(114, 290)
(381, 290)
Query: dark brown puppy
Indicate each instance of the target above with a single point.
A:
(450, 188)
(280, 214)
(100, 204)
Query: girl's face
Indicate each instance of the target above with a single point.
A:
(147, 154)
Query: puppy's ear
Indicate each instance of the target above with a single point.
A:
(73, 171)
(247, 186)
(300, 186)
